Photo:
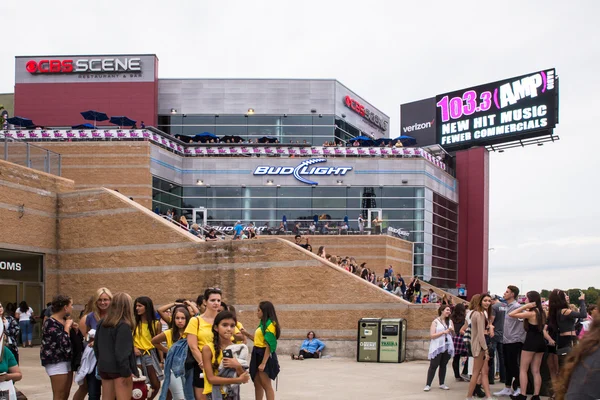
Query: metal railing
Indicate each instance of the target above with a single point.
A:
(29, 155)
(203, 230)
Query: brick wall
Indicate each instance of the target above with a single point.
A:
(124, 166)
(97, 237)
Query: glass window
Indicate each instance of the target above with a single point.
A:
(259, 215)
(323, 120)
(265, 119)
(295, 192)
(199, 119)
(391, 191)
(398, 203)
(194, 191)
(298, 120)
(194, 202)
(231, 120)
(261, 202)
(419, 248)
(215, 214)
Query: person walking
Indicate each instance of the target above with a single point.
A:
(513, 338)
(441, 347)
(25, 316)
(113, 346)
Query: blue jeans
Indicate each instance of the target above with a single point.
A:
(26, 331)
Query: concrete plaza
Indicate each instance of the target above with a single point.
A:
(334, 378)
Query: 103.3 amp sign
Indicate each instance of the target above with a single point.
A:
(504, 111)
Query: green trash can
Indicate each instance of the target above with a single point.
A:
(368, 340)
(392, 343)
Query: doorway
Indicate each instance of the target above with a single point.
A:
(372, 214)
(199, 216)
(9, 293)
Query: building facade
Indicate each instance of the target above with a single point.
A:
(220, 184)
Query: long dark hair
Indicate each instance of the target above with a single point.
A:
(587, 346)
(23, 306)
(556, 302)
(459, 315)
(441, 310)
(174, 329)
(540, 315)
(223, 315)
(268, 313)
(150, 315)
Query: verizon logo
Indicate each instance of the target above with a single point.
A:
(417, 126)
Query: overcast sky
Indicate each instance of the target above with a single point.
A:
(544, 214)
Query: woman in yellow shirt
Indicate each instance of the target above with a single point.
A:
(264, 365)
(146, 327)
(212, 355)
(199, 333)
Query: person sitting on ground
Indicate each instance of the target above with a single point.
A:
(211, 236)
(251, 231)
(195, 230)
(432, 296)
(311, 347)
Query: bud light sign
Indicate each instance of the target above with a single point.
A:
(304, 169)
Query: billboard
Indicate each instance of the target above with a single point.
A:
(504, 111)
(417, 119)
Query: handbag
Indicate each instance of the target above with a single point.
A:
(7, 391)
(467, 341)
(32, 320)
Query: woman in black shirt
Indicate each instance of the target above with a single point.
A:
(56, 351)
(113, 346)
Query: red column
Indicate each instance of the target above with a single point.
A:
(472, 173)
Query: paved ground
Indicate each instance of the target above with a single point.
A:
(335, 378)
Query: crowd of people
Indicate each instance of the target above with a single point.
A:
(118, 346)
(493, 333)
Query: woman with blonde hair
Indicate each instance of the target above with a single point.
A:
(89, 322)
(113, 346)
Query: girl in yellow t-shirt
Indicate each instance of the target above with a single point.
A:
(146, 327)
(179, 322)
(264, 365)
(212, 355)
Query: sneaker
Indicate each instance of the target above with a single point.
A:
(504, 392)
(465, 378)
(517, 392)
(444, 387)
(427, 388)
